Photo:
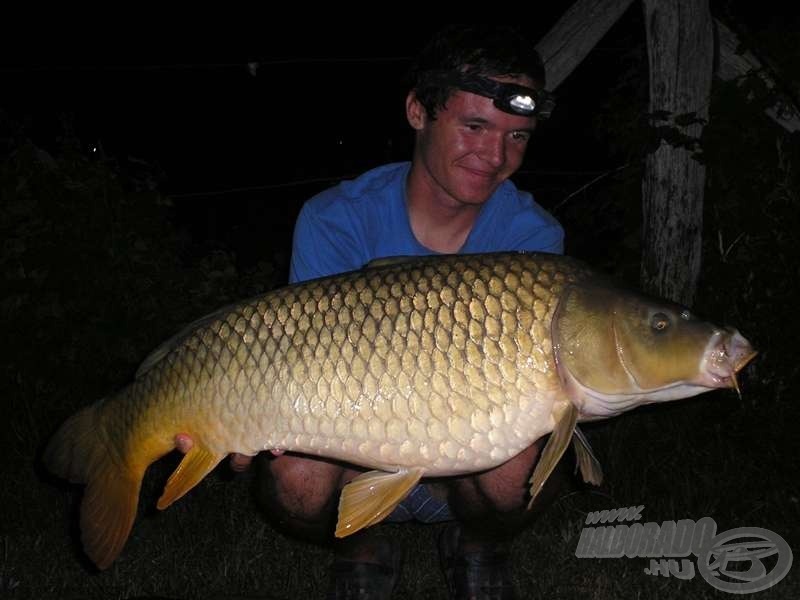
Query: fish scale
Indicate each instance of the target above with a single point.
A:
(420, 366)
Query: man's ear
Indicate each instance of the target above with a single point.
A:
(415, 112)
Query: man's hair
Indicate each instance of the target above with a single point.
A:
(486, 50)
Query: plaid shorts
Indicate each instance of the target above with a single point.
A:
(420, 505)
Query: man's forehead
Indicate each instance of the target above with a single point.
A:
(467, 106)
(522, 80)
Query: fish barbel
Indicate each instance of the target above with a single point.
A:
(413, 367)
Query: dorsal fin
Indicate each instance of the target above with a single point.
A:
(157, 355)
(390, 260)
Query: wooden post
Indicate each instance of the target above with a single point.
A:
(680, 48)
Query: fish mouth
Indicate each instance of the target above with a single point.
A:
(727, 354)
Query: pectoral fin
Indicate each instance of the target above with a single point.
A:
(196, 464)
(590, 468)
(554, 450)
(370, 497)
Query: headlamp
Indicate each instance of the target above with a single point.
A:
(511, 98)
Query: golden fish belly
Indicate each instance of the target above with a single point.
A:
(448, 446)
(444, 364)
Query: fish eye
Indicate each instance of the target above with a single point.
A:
(659, 321)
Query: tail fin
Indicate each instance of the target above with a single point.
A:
(78, 452)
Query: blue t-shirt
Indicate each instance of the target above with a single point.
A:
(348, 225)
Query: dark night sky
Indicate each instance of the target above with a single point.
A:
(322, 100)
(323, 96)
(326, 103)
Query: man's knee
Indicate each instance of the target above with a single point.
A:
(503, 490)
(298, 487)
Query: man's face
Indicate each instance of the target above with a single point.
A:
(471, 147)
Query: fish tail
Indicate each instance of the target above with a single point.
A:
(80, 452)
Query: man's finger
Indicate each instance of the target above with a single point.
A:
(240, 462)
(183, 442)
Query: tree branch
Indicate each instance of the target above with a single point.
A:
(733, 65)
(565, 46)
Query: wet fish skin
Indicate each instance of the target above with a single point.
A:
(354, 367)
(431, 366)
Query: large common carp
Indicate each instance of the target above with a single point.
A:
(413, 367)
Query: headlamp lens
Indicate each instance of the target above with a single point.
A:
(539, 104)
(524, 104)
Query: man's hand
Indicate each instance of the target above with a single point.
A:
(239, 462)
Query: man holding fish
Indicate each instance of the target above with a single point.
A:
(476, 97)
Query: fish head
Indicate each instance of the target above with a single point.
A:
(616, 349)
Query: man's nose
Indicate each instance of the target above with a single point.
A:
(493, 150)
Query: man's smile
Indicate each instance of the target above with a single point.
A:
(480, 173)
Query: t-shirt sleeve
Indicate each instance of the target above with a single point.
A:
(325, 242)
(549, 237)
(532, 228)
